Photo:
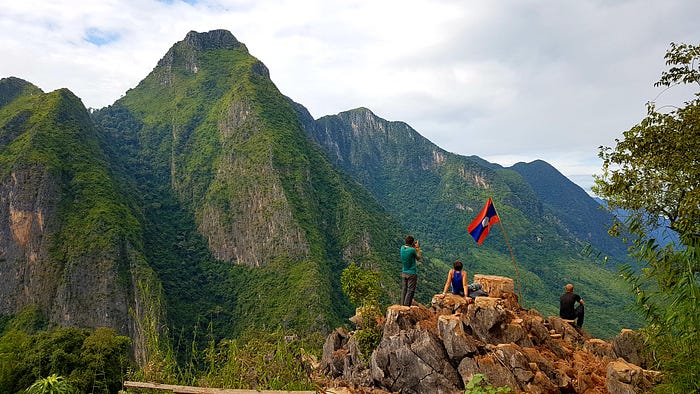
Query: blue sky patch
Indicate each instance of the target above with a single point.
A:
(100, 37)
(190, 2)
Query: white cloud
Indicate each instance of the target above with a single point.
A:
(500, 79)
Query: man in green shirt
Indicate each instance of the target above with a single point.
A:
(410, 254)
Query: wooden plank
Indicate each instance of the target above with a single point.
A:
(204, 390)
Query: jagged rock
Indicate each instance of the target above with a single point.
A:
(448, 304)
(399, 317)
(537, 332)
(541, 384)
(511, 355)
(535, 356)
(623, 377)
(496, 286)
(600, 348)
(456, 342)
(568, 332)
(512, 347)
(332, 360)
(490, 366)
(414, 361)
(629, 345)
(514, 333)
(486, 319)
(355, 369)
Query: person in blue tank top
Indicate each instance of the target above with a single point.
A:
(457, 279)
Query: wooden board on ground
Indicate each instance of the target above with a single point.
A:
(175, 389)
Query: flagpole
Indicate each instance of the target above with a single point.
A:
(515, 265)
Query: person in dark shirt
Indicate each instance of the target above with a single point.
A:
(568, 308)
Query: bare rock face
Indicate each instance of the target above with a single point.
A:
(457, 343)
(629, 345)
(441, 348)
(414, 361)
(28, 205)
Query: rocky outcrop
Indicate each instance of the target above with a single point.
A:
(438, 349)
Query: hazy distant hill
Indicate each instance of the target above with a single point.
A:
(583, 215)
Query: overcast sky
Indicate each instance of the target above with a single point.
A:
(508, 81)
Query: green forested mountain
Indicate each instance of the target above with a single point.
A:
(246, 223)
(71, 249)
(206, 198)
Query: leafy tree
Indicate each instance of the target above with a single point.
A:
(363, 289)
(88, 361)
(360, 285)
(654, 174)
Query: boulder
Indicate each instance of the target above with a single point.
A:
(623, 377)
(629, 345)
(448, 304)
(489, 365)
(485, 317)
(400, 318)
(456, 342)
(496, 286)
(414, 361)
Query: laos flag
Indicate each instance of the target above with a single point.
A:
(481, 225)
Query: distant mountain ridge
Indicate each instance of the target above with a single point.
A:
(588, 221)
(437, 193)
(205, 190)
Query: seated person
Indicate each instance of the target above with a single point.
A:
(568, 308)
(457, 279)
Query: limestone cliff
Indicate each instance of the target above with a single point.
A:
(70, 245)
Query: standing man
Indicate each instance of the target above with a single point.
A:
(566, 305)
(410, 254)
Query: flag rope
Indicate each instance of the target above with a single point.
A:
(515, 265)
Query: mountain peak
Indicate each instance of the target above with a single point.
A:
(12, 87)
(187, 53)
(214, 39)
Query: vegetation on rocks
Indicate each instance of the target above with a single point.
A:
(88, 361)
